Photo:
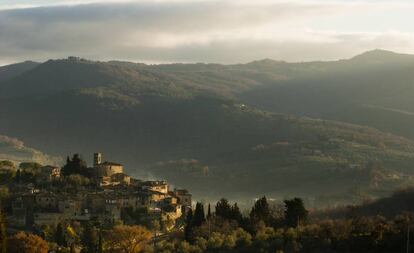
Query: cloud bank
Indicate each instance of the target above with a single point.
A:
(203, 31)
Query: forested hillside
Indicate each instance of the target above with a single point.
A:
(198, 125)
(373, 89)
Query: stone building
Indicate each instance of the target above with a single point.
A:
(156, 186)
(47, 201)
(48, 174)
(19, 213)
(105, 169)
(113, 193)
(121, 178)
(51, 219)
(183, 196)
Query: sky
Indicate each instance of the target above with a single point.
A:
(212, 31)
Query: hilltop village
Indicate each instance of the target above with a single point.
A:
(44, 197)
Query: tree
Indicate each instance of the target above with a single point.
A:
(235, 213)
(75, 166)
(30, 166)
(71, 235)
(261, 211)
(156, 226)
(127, 239)
(7, 165)
(18, 177)
(223, 209)
(77, 180)
(26, 243)
(3, 234)
(188, 225)
(100, 246)
(4, 193)
(199, 216)
(7, 172)
(209, 212)
(89, 238)
(295, 212)
(60, 235)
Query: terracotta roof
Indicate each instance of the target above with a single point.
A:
(119, 175)
(111, 163)
(155, 183)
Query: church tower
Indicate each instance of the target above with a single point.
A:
(97, 159)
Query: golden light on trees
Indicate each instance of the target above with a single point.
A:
(127, 239)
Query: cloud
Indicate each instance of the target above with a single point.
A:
(193, 31)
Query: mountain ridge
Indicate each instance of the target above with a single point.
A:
(232, 125)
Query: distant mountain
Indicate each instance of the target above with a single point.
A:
(374, 89)
(384, 57)
(228, 129)
(398, 203)
(10, 71)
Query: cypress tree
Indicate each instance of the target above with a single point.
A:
(100, 248)
(60, 235)
(188, 225)
(18, 177)
(89, 238)
(209, 212)
(3, 234)
(199, 216)
(236, 214)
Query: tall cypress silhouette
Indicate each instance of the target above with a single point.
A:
(199, 216)
(3, 234)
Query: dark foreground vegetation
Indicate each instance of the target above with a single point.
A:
(267, 227)
(289, 228)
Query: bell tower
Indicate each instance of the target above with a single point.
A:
(97, 159)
